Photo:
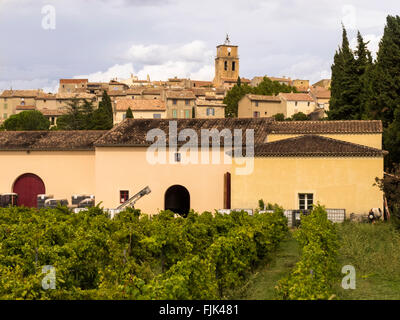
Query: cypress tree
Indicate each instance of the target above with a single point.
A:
(385, 76)
(344, 88)
(129, 114)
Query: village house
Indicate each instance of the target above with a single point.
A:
(294, 164)
(141, 109)
(72, 85)
(11, 99)
(180, 104)
(297, 102)
(209, 109)
(260, 106)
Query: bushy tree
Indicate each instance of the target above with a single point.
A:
(27, 121)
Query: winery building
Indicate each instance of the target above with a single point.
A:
(294, 164)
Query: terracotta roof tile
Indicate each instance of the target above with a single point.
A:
(132, 132)
(181, 94)
(48, 140)
(140, 104)
(20, 93)
(320, 127)
(25, 107)
(73, 81)
(258, 97)
(296, 96)
(315, 146)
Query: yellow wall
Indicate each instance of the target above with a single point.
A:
(302, 106)
(128, 169)
(64, 173)
(246, 108)
(119, 115)
(370, 140)
(201, 112)
(337, 183)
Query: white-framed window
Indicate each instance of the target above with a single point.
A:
(156, 116)
(306, 201)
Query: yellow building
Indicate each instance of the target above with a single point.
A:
(209, 109)
(141, 109)
(10, 99)
(295, 164)
(260, 106)
(180, 104)
(297, 102)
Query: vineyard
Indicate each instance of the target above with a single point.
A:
(132, 256)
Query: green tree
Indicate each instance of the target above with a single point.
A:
(344, 104)
(300, 116)
(129, 114)
(74, 118)
(385, 97)
(279, 117)
(27, 121)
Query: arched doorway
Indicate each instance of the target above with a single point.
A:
(177, 199)
(28, 186)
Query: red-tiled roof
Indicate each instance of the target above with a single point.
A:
(25, 107)
(296, 96)
(258, 97)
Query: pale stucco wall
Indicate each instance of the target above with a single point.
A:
(371, 140)
(64, 173)
(337, 183)
(127, 169)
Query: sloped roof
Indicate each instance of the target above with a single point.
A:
(73, 81)
(315, 146)
(259, 97)
(140, 105)
(321, 92)
(20, 93)
(296, 96)
(319, 127)
(180, 94)
(132, 132)
(48, 140)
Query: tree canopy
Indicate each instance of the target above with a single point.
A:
(27, 121)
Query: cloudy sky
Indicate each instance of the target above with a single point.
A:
(42, 41)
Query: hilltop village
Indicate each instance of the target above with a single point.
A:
(176, 98)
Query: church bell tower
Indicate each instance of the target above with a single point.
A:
(226, 63)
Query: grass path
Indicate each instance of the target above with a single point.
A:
(261, 285)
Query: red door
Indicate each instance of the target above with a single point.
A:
(28, 186)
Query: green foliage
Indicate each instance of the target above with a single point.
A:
(314, 275)
(132, 256)
(27, 121)
(299, 116)
(129, 114)
(265, 87)
(82, 115)
(348, 81)
(384, 98)
(279, 117)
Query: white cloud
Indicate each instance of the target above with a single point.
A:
(191, 60)
(117, 71)
(309, 68)
(46, 84)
